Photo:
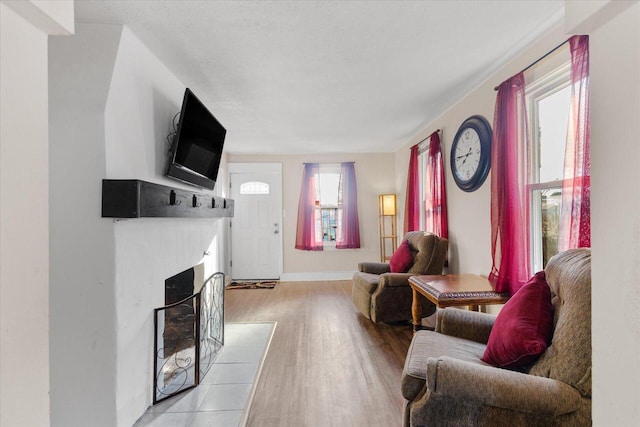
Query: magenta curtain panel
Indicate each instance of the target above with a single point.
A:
(509, 198)
(348, 237)
(575, 216)
(412, 201)
(435, 193)
(306, 230)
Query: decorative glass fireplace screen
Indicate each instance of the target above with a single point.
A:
(189, 334)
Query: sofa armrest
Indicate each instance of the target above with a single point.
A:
(374, 267)
(501, 388)
(470, 325)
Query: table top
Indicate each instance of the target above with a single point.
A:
(457, 289)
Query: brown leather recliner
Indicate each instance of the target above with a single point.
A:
(382, 296)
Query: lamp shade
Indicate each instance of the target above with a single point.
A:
(387, 204)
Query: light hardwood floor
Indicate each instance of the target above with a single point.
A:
(327, 365)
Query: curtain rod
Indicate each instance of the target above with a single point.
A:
(540, 59)
(424, 139)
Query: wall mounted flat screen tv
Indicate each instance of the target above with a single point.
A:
(197, 145)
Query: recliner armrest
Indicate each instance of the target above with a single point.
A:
(394, 280)
(470, 325)
(374, 267)
(501, 388)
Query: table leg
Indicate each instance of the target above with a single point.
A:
(416, 311)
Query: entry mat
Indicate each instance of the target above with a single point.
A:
(262, 284)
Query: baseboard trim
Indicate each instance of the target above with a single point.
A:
(316, 276)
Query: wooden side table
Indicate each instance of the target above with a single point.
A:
(451, 290)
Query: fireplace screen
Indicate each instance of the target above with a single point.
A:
(189, 334)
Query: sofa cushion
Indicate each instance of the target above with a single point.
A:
(426, 344)
(402, 259)
(522, 331)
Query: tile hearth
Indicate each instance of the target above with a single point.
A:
(224, 396)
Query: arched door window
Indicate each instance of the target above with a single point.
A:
(254, 188)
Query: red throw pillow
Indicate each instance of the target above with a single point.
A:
(523, 328)
(402, 259)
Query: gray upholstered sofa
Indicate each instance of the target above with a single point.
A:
(445, 383)
(382, 296)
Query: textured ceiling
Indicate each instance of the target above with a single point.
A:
(328, 76)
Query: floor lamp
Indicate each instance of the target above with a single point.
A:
(387, 220)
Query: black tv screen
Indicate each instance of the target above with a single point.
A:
(197, 145)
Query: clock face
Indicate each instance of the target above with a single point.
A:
(467, 154)
(471, 153)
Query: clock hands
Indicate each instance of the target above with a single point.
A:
(464, 156)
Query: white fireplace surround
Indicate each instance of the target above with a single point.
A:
(111, 104)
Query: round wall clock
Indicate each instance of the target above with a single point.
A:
(471, 153)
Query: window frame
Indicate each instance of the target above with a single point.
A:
(423, 161)
(327, 168)
(542, 87)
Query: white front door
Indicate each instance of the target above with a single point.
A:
(256, 243)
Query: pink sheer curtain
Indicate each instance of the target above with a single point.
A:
(509, 198)
(306, 230)
(575, 217)
(436, 193)
(348, 236)
(412, 201)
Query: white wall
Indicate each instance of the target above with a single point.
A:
(115, 102)
(24, 222)
(83, 333)
(374, 175)
(24, 266)
(615, 217)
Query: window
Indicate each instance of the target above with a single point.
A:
(530, 125)
(423, 153)
(327, 203)
(432, 193)
(328, 208)
(548, 102)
